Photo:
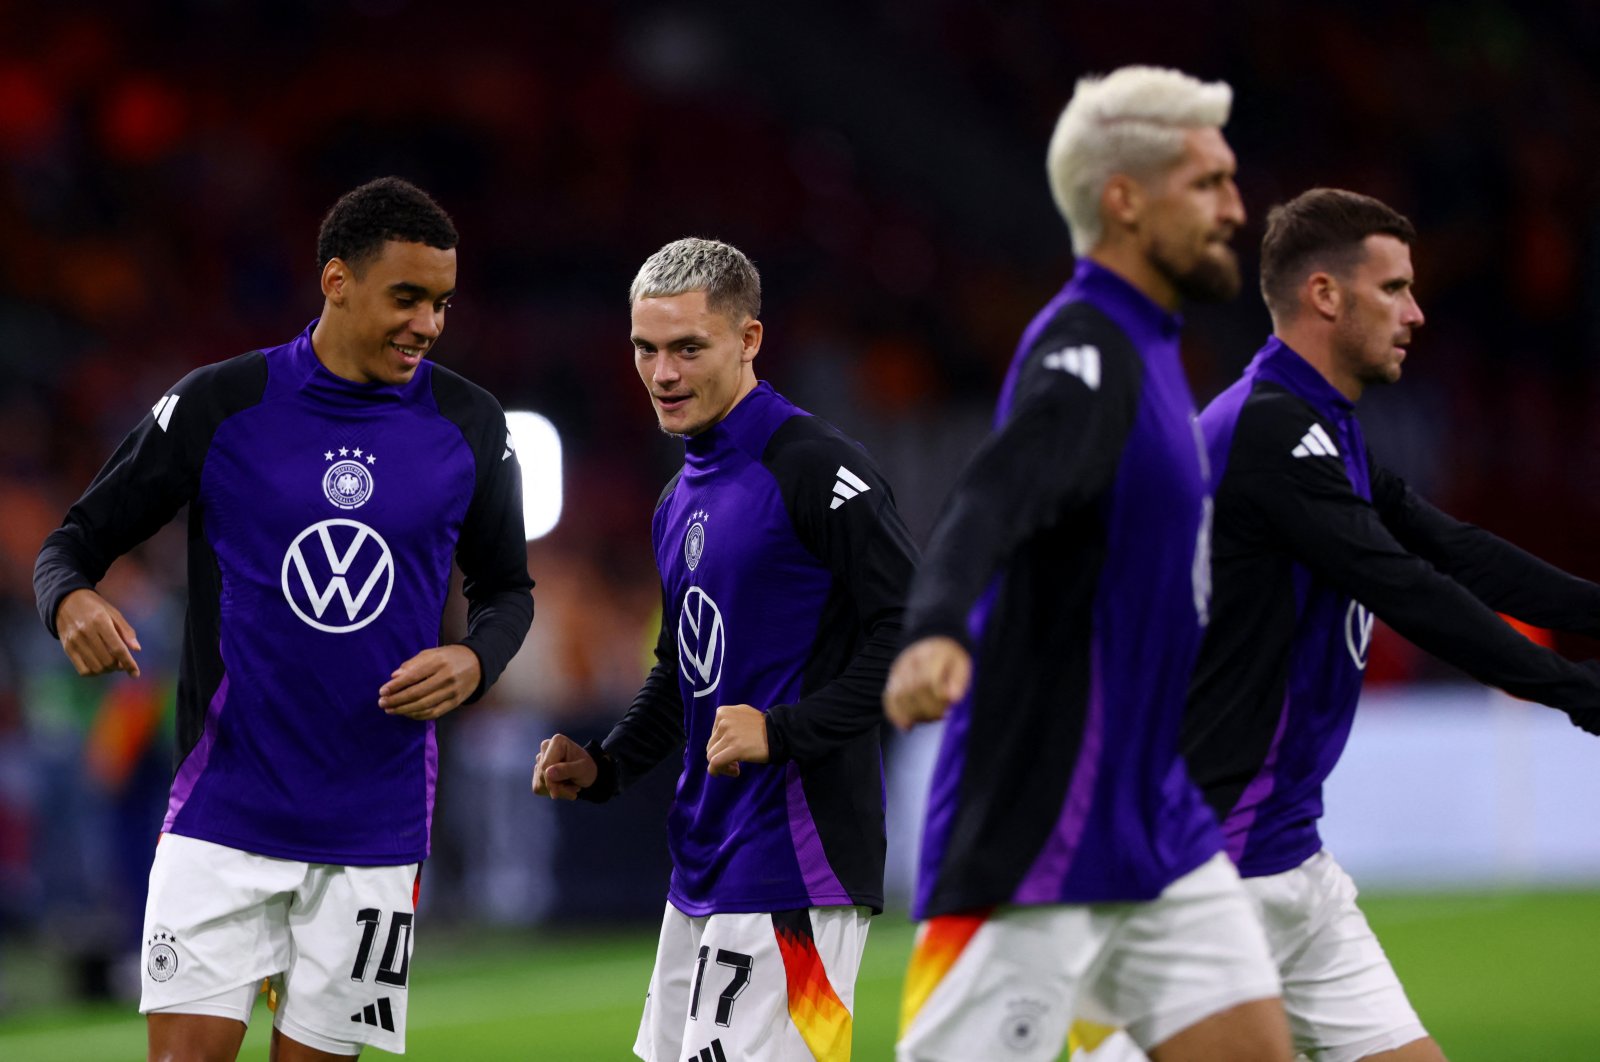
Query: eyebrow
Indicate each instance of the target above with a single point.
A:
(406, 288)
(680, 341)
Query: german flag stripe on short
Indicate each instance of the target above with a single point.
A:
(939, 945)
(1088, 1035)
(821, 1018)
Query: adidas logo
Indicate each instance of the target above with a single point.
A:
(376, 1014)
(847, 486)
(710, 1054)
(1082, 362)
(1316, 443)
(162, 410)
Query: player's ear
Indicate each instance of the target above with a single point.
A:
(1122, 200)
(335, 278)
(1322, 293)
(750, 339)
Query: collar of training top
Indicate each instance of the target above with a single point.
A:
(1279, 362)
(1135, 312)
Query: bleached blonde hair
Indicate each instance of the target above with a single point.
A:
(1130, 121)
(721, 270)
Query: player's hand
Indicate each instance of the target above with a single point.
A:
(96, 637)
(739, 733)
(563, 768)
(431, 683)
(926, 679)
(1585, 719)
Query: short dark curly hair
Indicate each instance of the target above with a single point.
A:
(389, 208)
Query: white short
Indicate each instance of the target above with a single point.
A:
(1343, 999)
(777, 987)
(1007, 985)
(335, 940)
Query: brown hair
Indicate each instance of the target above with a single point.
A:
(1322, 229)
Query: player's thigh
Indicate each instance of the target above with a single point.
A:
(675, 974)
(216, 923)
(775, 986)
(998, 984)
(348, 983)
(1195, 951)
(1342, 996)
(195, 1036)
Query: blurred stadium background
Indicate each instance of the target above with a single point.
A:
(163, 167)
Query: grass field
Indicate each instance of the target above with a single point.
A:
(1497, 978)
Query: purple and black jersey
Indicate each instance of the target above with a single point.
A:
(1312, 540)
(1072, 558)
(784, 566)
(323, 518)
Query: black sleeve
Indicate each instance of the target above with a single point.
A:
(1310, 506)
(1505, 578)
(843, 512)
(152, 474)
(649, 732)
(652, 728)
(1055, 453)
(492, 549)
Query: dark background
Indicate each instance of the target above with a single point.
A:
(163, 168)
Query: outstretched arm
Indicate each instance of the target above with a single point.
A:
(1502, 576)
(1338, 535)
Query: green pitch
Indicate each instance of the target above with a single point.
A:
(1496, 977)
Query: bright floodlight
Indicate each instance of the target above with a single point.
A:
(538, 447)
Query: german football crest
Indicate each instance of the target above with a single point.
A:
(161, 963)
(348, 482)
(694, 543)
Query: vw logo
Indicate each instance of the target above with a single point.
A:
(701, 642)
(325, 561)
(1358, 633)
(1200, 568)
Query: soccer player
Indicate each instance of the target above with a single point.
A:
(1313, 538)
(784, 566)
(329, 481)
(1068, 862)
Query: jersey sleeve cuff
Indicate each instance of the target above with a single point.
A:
(605, 779)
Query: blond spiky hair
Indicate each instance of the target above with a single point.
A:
(1131, 121)
(721, 270)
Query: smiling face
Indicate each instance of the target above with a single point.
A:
(1376, 314)
(1190, 215)
(382, 318)
(696, 362)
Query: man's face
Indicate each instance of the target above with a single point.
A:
(694, 361)
(1193, 211)
(394, 311)
(1377, 312)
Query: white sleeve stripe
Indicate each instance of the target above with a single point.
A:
(163, 410)
(855, 480)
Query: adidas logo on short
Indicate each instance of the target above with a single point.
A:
(847, 486)
(714, 1053)
(376, 1014)
(1316, 443)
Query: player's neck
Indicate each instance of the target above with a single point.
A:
(1132, 265)
(334, 354)
(1315, 350)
